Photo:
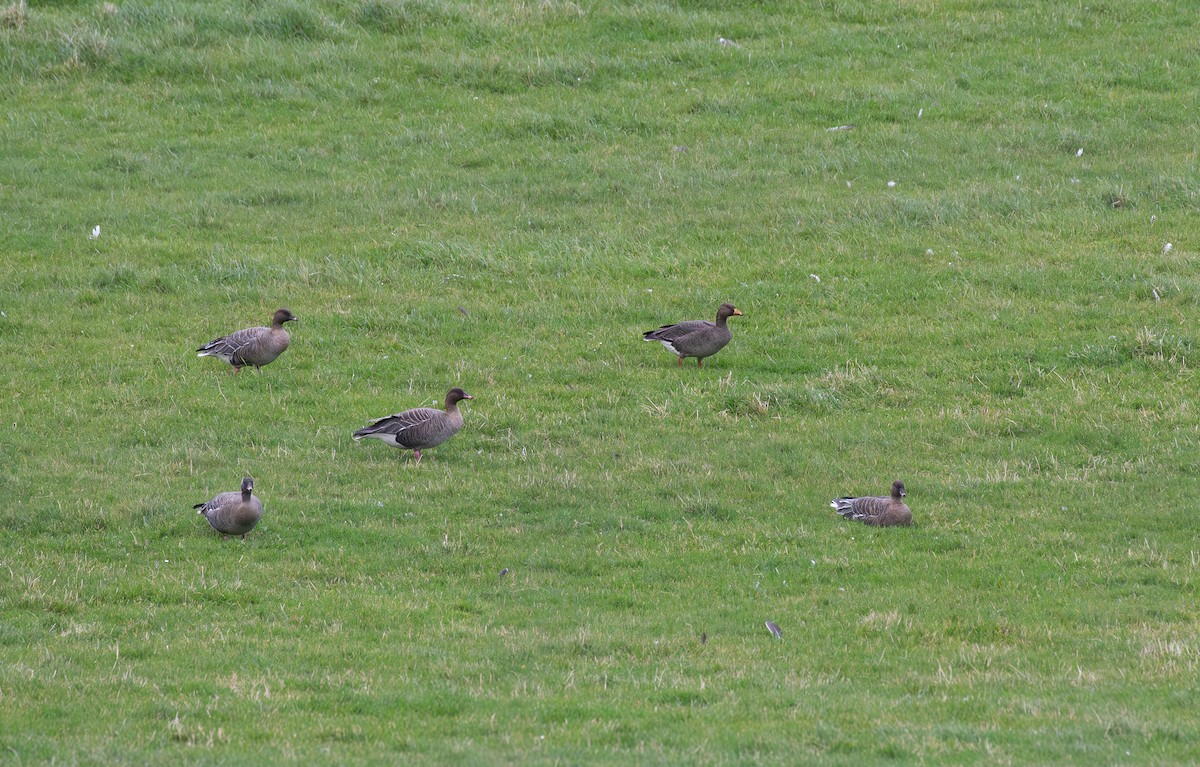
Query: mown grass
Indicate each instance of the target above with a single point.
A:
(502, 196)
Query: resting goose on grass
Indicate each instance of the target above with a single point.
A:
(877, 511)
(695, 338)
(252, 346)
(233, 513)
(420, 428)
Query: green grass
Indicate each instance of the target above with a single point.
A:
(1003, 329)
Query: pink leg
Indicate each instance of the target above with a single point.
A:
(417, 454)
(681, 362)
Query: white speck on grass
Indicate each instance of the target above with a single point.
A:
(839, 128)
(1156, 296)
(920, 112)
(727, 43)
(1153, 219)
(1074, 181)
(95, 235)
(891, 184)
(1080, 152)
(815, 277)
(1018, 177)
(929, 251)
(814, 562)
(1167, 248)
(847, 184)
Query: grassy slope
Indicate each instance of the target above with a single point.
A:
(992, 329)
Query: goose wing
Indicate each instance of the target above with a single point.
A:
(862, 509)
(399, 425)
(239, 344)
(677, 331)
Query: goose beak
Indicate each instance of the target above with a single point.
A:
(467, 396)
(737, 312)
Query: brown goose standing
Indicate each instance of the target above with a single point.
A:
(233, 513)
(695, 338)
(420, 428)
(877, 511)
(252, 346)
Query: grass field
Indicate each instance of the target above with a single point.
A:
(502, 196)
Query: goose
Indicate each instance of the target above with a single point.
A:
(695, 338)
(233, 513)
(877, 511)
(252, 346)
(420, 428)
